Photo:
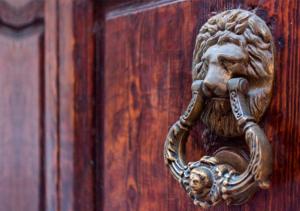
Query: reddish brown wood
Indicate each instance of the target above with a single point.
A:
(147, 77)
(84, 143)
(74, 83)
(83, 135)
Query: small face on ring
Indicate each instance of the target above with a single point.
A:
(200, 181)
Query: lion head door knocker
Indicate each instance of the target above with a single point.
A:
(233, 73)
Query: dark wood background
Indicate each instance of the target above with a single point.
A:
(90, 88)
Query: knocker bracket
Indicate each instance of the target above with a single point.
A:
(232, 83)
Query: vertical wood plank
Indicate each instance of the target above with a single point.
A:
(84, 152)
(66, 83)
(75, 85)
(51, 107)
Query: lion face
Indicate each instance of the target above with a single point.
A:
(235, 43)
(223, 62)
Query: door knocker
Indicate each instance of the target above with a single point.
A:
(233, 74)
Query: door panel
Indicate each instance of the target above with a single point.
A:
(21, 123)
(144, 90)
(147, 75)
(46, 144)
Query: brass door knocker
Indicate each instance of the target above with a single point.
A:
(233, 73)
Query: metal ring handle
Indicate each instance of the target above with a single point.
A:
(208, 181)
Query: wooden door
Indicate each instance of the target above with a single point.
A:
(147, 53)
(91, 87)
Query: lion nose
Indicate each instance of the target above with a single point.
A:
(214, 88)
(208, 88)
(215, 81)
(211, 87)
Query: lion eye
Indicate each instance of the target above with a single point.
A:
(228, 64)
(233, 67)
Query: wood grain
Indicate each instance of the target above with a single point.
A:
(21, 108)
(74, 164)
(51, 145)
(21, 122)
(147, 76)
(46, 149)
(83, 135)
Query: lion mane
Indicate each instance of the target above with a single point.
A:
(248, 31)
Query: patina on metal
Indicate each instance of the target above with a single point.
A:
(233, 74)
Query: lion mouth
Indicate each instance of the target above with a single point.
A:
(219, 98)
(220, 105)
(218, 117)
